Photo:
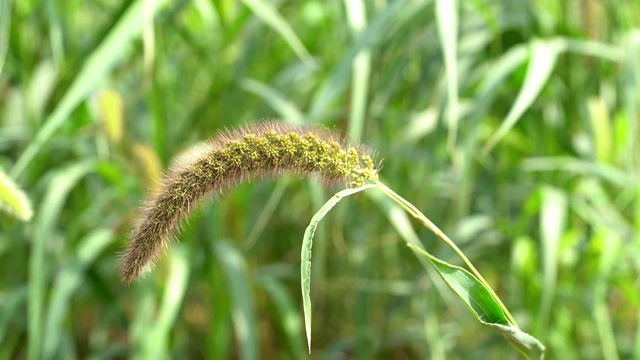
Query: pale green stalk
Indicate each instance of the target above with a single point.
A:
(431, 226)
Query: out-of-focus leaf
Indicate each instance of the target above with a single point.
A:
(543, 58)
(553, 216)
(67, 282)
(242, 312)
(266, 11)
(601, 128)
(287, 110)
(447, 20)
(59, 188)
(95, 68)
(111, 114)
(156, 339)
(288, 314)
(357, 17)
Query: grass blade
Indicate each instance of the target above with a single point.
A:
(543, 59)
(58, 190)
(356, 14)
(5, 30)
(553, 215)
(242, 311)
(157, 342)
(288, 110)
(334, 85)
(307, 243)
(67, 282)
(447, 20)
(266, 12)
(96, 68)
(287, 314)
(482, 304)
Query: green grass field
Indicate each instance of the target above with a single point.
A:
(513, 125)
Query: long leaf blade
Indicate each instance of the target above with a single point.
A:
(543, 59)
(307, 242)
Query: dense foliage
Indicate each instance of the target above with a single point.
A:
(513, 125)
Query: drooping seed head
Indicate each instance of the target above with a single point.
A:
(232, 157)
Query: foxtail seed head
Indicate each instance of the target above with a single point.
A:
(232, 157)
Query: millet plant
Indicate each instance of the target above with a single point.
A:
(268, 149)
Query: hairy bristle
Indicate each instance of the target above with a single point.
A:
(231, 157)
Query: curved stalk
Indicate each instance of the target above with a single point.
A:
(431, 226)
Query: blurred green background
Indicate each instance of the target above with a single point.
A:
(513, 125)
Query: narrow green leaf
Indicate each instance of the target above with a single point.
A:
(285, 108)
(96, 67)
(11, 303)
(378, 28)
(5, 30)
(13, 200)
(59, 188)
(483, 306)
(543, 58)
(553, 215)
(447, 20)
(288, 315)
(357, 17)
(67, 282)
(267, 12)
(307, 242)
(157, 340)
(242, 312)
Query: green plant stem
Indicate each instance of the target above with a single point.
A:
(431, 226)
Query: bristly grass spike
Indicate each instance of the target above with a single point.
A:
(234, 156)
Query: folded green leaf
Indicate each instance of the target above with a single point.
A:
(483, 306)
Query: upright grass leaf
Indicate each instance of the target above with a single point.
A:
(266, 214)
(482, 304)
(307, 243)
(57, 191)
(377, 29)
(276, 100)
(357, 17)
(601, 128)
(553, 215)
(95, 69)
(157, 338)
(609, 257)
(543, 58)
(447, 20)
(5, 30)
(266, 11)
(13, 200)
(10, 303)
(288, 314)
(242, 311)
(69, 279)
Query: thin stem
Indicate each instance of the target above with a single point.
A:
(431, 226)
